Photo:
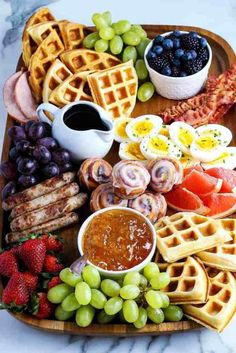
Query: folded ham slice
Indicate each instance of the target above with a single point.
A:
(24, 98)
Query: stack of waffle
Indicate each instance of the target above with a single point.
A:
(199, 254)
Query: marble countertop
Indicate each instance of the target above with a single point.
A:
(216, 15)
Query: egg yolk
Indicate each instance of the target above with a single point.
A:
(142, 128)
(185, 137)
(133, 148)
(164, 131)
(221, 158)
(207, 143)
(121, 129)
(215, 133)
(157, 144)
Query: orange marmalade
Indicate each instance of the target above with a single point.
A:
(117, 240)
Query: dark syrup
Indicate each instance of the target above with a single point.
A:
(83, 117)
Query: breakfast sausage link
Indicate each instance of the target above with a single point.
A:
(50, 226)
(35, 191)
(52, 211)
(54, 196)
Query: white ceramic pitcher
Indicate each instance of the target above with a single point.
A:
(82, 144)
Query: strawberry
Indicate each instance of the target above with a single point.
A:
(54, 281)
(31, 280)
(32, 253)
(8, 263)
(15, 293)
(42, 307)
(52, 242)
(52, 264)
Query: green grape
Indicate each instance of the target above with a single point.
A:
(70, 278)
(165, 300)
(99, 20)
(160, 281)
(132, 278)
(142, 46)
(116, 45)
(103, 318)
(141, 69)
(173, 313)
(70, 303)
(107, 33)
(143, 282)
(151, 270)
(129, 53)
(121, 27)
(101, 45)
(120, 280)
(130, 311)
(145, 91)
(84, 315)
(107, 17)
(91, 276)
(98, 299)
(90, 40)
(121, 316)
(131, 38)
(139, 30)
(153, 299)
(62, 315)
(83, 293)
(142, 318)
(130, 291)
(110, 287)
(155, 315)
(58, 293)
(113, 305)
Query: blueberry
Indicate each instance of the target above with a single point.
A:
(187, 56)
(179, 53)
(151, 55)
(168, 44)
(176, 43)
(193, 34)
(176, 62)
(158, 39)
(193, 53)
(157, 49)
(177, 33)
(203, 42)
(166, 71)
(183, 74)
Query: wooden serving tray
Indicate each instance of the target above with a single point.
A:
(223, 58)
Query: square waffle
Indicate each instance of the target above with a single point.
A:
(115, 89)
(28, 44)
(41, 60)
(74, 88)
(220, 307)
(87, 60)
(187, 233)
(72, 34)
(222, 256)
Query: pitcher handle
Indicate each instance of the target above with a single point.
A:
(48, 107)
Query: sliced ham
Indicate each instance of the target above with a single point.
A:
(24, 98)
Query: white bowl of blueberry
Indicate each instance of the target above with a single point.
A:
(178, 63)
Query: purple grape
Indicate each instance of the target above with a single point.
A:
(13, 154)
(60, 156)
(26, 181)
(9, 189)
(49, 142)
(67, 167)
(28, 166)
(16, 133)
(51, 169)
(42, 154)
(48, 129)
(22, 146)
(8, 170)
(36, 131)
(27, 125)
(18, 159)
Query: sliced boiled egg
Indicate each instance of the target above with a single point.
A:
(206, 148)
(158, 145)
(120, 134)
(182, 135)
(143, 126)
(164, 130)
(226, 160)
(187, 161)
(131, 150)
(222, 133)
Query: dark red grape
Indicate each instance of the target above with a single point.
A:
(16, 133)
(49, 142)
(36, 131)
(28, 166)
(61, 156)
(42, 154)
(48, 129)
(51, 169)
(8, 170)
(13, 154)
(67, 167)
(9, 189)
(26, 181)
(27, 125)
(22, 146)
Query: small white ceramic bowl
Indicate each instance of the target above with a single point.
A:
(178, 87)
(109, 273)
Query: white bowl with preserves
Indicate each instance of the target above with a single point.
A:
(117, 240)
(178, 87)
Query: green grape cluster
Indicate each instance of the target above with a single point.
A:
(124, 40)
(135, 298)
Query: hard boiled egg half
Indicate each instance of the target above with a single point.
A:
(182, 135)
(226, 160)
(120, 134)
(143, 126)
(159, 145)
(131, 151)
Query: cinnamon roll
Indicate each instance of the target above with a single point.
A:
(103, 196)
(93, 172)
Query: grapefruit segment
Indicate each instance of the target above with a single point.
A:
(201, 184)
(227, 175)
(220, 205)
(181, 199)
(197, 167)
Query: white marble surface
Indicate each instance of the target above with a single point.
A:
(216, 15)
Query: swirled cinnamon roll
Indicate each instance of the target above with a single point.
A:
(104, 196)
(130, 179)
(93, 172)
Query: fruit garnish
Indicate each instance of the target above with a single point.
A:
(220, 205)
(228, 176)
(201, 184)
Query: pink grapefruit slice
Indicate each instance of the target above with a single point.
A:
(228, 176)
(220, 205)
(195, 167)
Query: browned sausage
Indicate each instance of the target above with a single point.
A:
(35, 191)
(54, 196)
(50, 226)
(52, 211)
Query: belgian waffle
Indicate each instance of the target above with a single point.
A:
(115, 89)
(40, 31)
(72, 34)
(220, 307)
(186, 233)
